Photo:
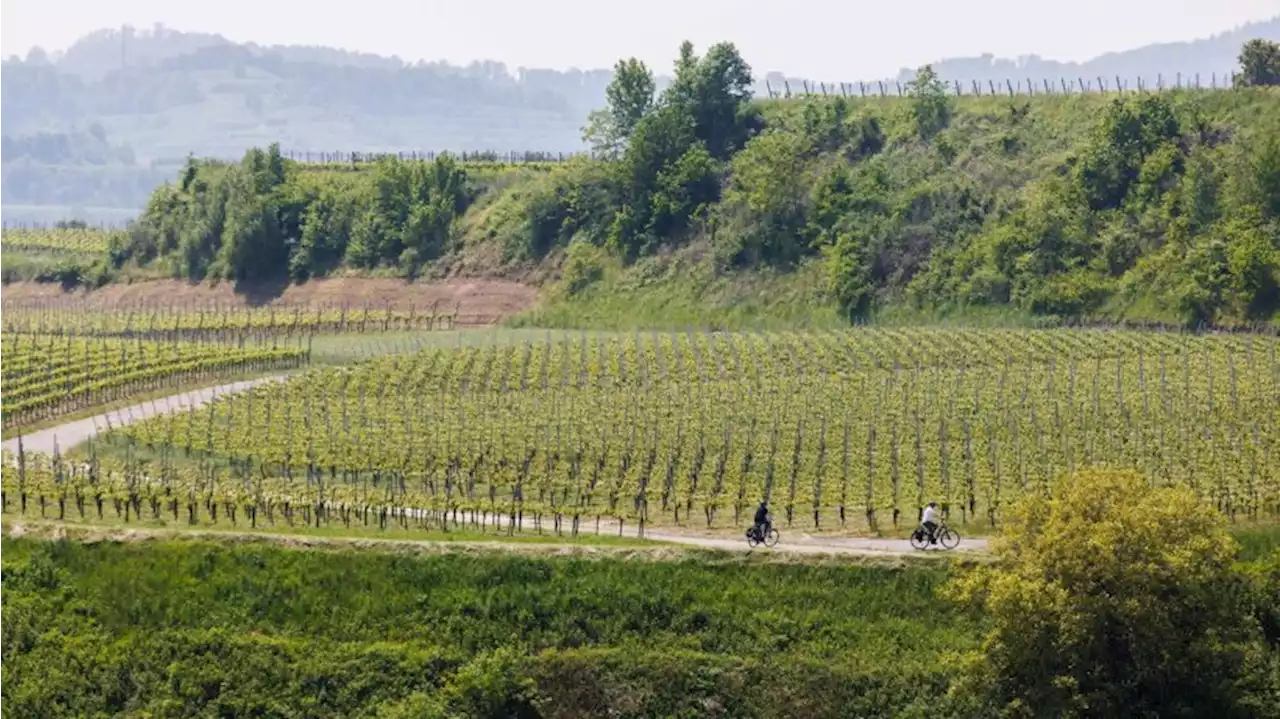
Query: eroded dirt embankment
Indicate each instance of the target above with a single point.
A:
(495, 298)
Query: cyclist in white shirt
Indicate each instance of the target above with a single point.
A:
(929, 521)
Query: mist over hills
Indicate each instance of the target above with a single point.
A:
(88, 132)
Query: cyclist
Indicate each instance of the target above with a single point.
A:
(762, 520)
(929, 521)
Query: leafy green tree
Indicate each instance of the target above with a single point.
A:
(1112, 599)
(715, 92)
(931, 106)
(1259, 63)
(1253, 260)
(1131, 131)
(661, 139)
(769, 189)
(848, 268)
(629, 96)
(410, 216)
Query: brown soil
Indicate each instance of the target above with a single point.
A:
(495, 298)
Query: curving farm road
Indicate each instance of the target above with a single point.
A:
(68, 435)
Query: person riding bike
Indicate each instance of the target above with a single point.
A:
(929, 521)
(763, 525)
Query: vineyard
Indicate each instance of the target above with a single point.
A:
(46, 376)
(55, 239)
(230, 323)
(857, 428)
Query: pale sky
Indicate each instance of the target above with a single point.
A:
(830, 40)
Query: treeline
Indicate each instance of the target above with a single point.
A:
(261, 217)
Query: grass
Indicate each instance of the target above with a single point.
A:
(187, 628)
(1257, 540)
(683, 290)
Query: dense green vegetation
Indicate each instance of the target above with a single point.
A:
(182, 629)
(1161, 206)
(1109, 598)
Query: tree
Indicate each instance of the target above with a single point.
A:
(930, 104)
(629, 97)
(769, 189)
(1259, 63)
(715, 92)
(1113, 599)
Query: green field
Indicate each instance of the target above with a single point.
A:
(192, 628)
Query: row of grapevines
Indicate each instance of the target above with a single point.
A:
(58, 239)
(832, 427)
(45, 376)
(222, 323)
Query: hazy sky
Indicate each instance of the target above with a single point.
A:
(827, 40)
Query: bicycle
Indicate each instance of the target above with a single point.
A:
(770, 540)
(944, 535)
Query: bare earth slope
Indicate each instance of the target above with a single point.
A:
(489, 298)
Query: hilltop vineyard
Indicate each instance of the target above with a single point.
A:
(46, 376)
(859, 427)
(77, 240)
(229, 323)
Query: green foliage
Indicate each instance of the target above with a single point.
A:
(1159, 206)
(1130, 133)
(197, 629)
(930, 104)
(1259, 63)
(262, 217)
(768, 192)
(1112, 598)
(583, 267)
(628, 98)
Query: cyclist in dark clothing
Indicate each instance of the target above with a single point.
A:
(763, 525)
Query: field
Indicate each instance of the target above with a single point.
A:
(46, 375)
(840, 431)
(195, 628)
(88, 241)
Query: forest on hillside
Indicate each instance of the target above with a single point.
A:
(1154, 205)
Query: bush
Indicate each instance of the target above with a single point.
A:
(1112, 598)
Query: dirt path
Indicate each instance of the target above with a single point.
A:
(66, 436)
(70, 434)
(807, 544)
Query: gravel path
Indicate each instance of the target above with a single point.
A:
(68, 435)
(806, 544)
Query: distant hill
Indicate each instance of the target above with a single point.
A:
(149, 98)
(1217, 54)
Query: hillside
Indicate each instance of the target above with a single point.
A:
(708, 207)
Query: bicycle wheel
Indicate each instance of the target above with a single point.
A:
(919, 540)
(949, 538)
(752, 542)
(771, 539)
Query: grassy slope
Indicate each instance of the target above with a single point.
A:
(184, 628)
